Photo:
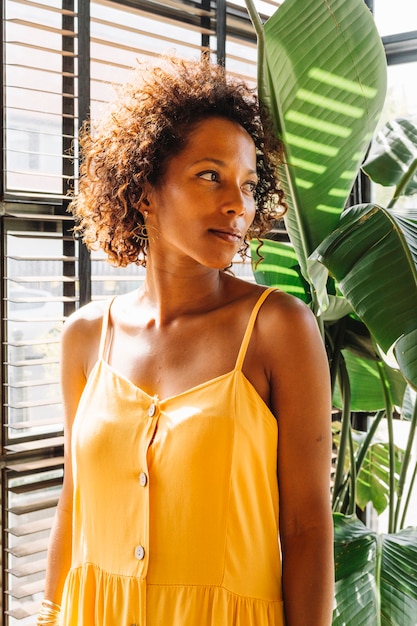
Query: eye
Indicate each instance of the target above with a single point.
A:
(250, 186)
(209, 175)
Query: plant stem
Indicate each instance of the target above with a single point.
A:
(352, 499)
(336, 350)
(402, 185)
(408, 498)
(360, 457)
(391, 450)
(259, 30)
(345, 431)
(378, 571)
(368, 440)
(404, 466)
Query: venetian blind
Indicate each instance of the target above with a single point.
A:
(41, 272)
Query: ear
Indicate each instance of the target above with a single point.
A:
(139, 198)
(148, 199)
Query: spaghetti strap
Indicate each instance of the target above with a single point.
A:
(103, 348)
(249, 328)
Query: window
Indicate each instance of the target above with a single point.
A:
(50, 75)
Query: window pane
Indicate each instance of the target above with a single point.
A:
(399, 16)
(401, 101)
(121, 36)
(34, 66)
(401, 92)
(35, 299)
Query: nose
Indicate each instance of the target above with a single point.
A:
(236, 202)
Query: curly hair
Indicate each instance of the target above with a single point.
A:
(149, 124)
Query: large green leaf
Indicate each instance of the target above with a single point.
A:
(374, 476)
(373, 480)
(399, 578)
(398, 164)
(355, 555)
(360, 600)
(365, 384)
(275, 264)
(406, 354)
(323, 76)
(373, 256)
(409, 404)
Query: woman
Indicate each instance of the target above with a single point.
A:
(178, 496)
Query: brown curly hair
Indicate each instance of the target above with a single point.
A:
(149, 124)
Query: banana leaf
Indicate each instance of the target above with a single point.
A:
(396, 166)
(365, 384)
(376, 576)
(373, 480)
(373, 477)
(355, 554)
(275, 264)
(398, 578)
(322, 74)
(373, 256)
(409, 404)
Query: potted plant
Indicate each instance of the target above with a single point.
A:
(322, 75)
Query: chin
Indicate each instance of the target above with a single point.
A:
(221, 265)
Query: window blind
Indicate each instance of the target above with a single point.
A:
(39, 125)
(44, 266)
(39, 287)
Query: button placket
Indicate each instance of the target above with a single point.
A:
(141, 550)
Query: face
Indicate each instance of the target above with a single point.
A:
(205, 204)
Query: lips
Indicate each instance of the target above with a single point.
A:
(227, 234)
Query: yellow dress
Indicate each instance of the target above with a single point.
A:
(175, 504)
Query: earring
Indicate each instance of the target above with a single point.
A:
(143, 233)
(140, 234)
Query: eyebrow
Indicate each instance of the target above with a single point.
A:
(220, 163)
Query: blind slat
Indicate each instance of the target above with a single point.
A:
(48, 7)
(43, 27)
(37, 505)
(24, 591)
(26, 549)
(37, 464)
(29, 568)
(41, 444)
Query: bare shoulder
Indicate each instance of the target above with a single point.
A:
(288, 332)
(81, 335)
(286, 312)
(83, 321)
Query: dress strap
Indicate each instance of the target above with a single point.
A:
(249, 328)
(105, 339)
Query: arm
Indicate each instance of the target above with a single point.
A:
(72, 384)
(300, 398)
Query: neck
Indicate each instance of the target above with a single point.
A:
(173, 292)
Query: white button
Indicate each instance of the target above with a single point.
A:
(152, 410)
(143, 479)
(139, 552)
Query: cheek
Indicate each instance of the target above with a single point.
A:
(251, 213)
(250, 218)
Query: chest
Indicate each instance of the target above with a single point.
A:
(171, 360)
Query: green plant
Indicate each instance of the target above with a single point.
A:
(322, 74)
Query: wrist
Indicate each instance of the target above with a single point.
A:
(49, 614)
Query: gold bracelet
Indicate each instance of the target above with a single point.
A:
(49, 614)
